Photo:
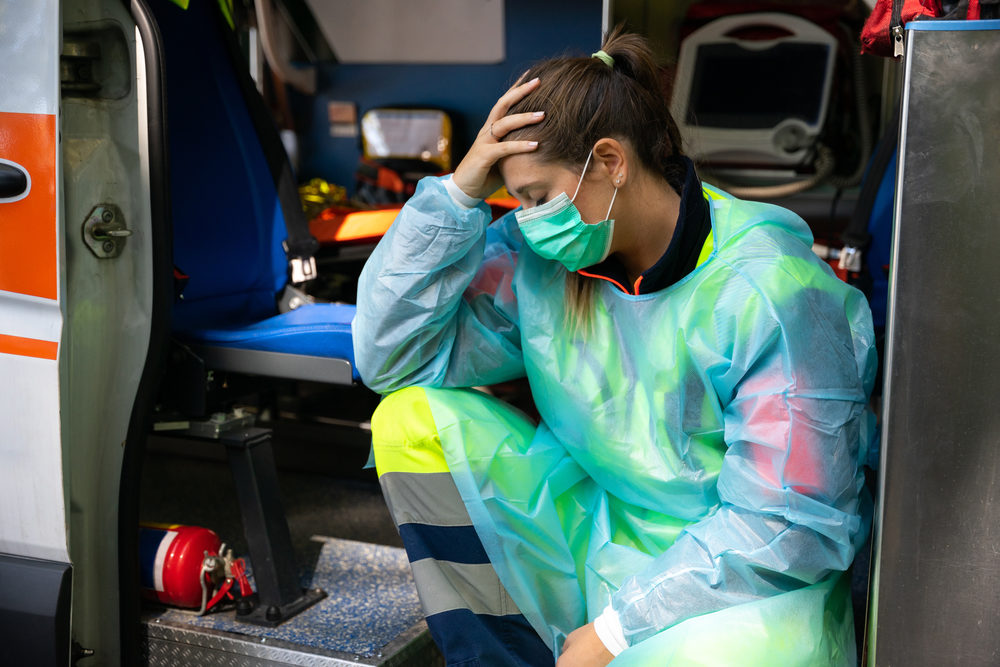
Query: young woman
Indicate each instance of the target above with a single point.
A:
(692, 491)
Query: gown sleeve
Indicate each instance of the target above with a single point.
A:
(436, 303)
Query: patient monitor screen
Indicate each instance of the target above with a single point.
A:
(738, 88)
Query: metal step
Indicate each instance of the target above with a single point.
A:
(171, 644)
(371, 616)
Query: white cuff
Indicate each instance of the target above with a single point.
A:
(458, 195)
(609, 631)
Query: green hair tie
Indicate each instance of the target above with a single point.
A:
(604, 58)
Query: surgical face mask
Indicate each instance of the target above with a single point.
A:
(556, 231)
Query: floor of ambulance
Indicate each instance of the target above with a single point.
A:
(345, 544)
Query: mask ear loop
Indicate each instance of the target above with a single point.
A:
(582, 174)
(607, 216)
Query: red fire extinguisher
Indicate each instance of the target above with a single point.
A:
(184, 566)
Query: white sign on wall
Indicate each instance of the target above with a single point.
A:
(413, 31)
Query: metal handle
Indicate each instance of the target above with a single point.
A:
(13, 182)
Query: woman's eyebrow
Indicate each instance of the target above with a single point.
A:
(523, 190)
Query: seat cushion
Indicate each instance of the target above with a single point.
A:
(315, 330)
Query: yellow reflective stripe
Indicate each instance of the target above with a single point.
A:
(404, 435)
(227, 11)
(706, 249)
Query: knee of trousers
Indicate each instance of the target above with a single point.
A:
(404, 435)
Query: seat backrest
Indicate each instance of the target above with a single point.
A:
(230, 176)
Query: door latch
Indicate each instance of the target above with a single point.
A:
(104, 231)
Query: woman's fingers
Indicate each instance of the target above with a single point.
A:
(501, 127)
(516, 93)
(476, 174)
(505, 148)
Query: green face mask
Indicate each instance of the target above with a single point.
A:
(556, 231)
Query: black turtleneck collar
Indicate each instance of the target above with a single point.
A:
(694, 222)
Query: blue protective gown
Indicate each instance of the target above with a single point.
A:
(698, 452)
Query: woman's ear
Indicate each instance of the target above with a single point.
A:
(611, 161)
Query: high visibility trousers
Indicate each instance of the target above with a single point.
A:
(471, 616)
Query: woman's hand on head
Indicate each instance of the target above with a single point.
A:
(583, 648)
(477, 175)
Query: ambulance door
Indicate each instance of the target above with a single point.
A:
(105, 151)
(34, 554)
(76, 265)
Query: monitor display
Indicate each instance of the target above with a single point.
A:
(753, 89)
(740, 88)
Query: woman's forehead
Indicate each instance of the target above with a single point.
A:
(524, 169)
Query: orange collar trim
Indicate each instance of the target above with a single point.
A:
(612, 281)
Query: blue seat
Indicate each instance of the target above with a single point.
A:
(312, 342)
(234, 200)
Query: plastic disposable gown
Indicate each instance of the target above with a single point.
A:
(696, 463)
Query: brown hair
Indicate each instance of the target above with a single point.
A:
(585, 100)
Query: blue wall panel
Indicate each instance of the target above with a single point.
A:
(534, 31)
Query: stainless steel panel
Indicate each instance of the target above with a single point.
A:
(938, 557)
(176, 645)
(276, 364)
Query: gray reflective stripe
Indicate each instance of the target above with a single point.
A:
(447, 586)
(429, 498)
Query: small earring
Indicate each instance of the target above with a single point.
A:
(618, 181)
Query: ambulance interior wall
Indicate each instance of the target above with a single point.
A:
(533, 31)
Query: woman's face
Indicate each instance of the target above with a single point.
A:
(533, 182)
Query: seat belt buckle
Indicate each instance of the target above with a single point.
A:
(303, 269)
(850, 259)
